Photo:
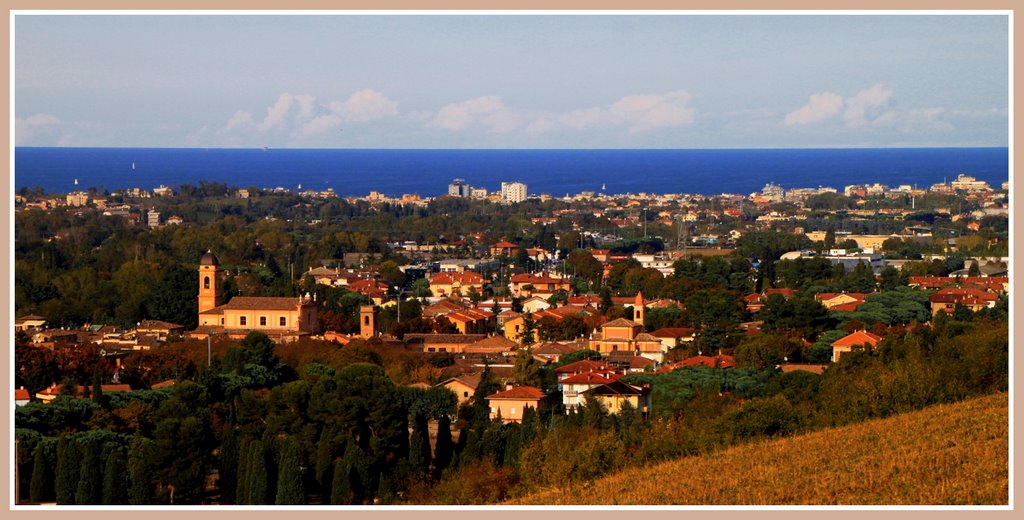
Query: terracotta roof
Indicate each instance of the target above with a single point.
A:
(30, 317)
(786, 292)
(268, 303)
(443, 338)
(614, 388)
(721, 361)
(504, 244)
(815, 368)
(20, 394)
(519, 392)
(858, 337)
(673, 332)
(583, 365)
(553, 348)
(156, 324)
(586, 378)
(492, 344)
(621, 322)
(470, 380)
(164, 384)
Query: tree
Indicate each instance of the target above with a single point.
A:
(527, 369)
(529, 327)
(90, 476)
(419, 453)
(258, 482)
(443, 449)
(44, 458)
(115, 481)
(289, 476)
(140, 489)
(66, 481)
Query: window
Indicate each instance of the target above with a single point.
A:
(263, 321)
(465, 394)
(284, 321)
(222, 321)
(366, 320)
(206, 282)
(241, 320)
(512, 412)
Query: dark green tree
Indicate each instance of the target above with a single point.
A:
(90, 473)
(44, 459)
(115, 478)
(66, 478)
(289, 476)
(258, 480)
(443, 449)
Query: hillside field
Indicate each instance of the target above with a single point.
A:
(947, 454)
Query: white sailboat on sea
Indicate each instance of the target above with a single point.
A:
(602, 186)
(133, 165)
(76, 182)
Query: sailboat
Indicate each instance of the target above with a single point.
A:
(133, 165)
(76, 182)
(602, 186)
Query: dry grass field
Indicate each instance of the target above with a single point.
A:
(948, 454)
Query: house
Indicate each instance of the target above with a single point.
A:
(463, 386)
(543, 285)
(53, 391)
(841, 301)
(948, 298)
(504, 248)
(614, 395)
(510, 403)
(672, 337)
(574, 386)
(535, 303)
(455, 343)
(584, 366)
(282, 319)
(472, 321)
(853, 340)
(21, 397)
(29, 322)
(628, 335)
(159, 329)
(552, 351)
(444, 284)
(492, 345)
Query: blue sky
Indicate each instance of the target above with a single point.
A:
(525, 81)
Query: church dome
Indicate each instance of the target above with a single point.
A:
(209, 259)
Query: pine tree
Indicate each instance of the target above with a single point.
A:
(443, 449)
(289, 476)
(66, 478)
(41, 487)
(259, 487)
(115, 485)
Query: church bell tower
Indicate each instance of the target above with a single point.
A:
(209, 291)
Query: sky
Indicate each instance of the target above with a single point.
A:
(511, 81)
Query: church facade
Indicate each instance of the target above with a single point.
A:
(281, 318)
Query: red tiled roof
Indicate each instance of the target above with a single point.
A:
(20, 394)
(519, 392)
(583, 365)
(858, 337)
(621, 322)
(673, 332)
(586, 378)
(722, 361)
(268, 303)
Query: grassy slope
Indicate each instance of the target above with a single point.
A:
(948, 454)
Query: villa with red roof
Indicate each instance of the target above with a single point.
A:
(853, 340)
(511, 403)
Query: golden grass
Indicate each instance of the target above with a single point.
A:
(948, 454)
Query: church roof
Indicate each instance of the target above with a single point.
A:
(209, 259)
(261, 303)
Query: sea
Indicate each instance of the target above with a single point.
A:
(393, 172)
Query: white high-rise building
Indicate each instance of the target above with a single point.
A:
(458, 188)
(513, 192)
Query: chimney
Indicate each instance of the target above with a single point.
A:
(509, 386)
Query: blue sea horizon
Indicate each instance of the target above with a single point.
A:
(427, 172)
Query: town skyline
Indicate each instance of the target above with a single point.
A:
(410, 81)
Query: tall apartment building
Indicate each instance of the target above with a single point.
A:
(153, 219)
(459, 188)
(513, 192)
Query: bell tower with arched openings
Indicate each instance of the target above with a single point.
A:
(209, 291)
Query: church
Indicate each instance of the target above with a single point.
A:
(282, 319)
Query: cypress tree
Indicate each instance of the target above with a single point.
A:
(66, 478)
(227, 474)
(443, 449)
(419, 453)
(41, 487)
(325, 466)
(140, 489)
(259, 485)
(97, 387)
(289, 476)
(242, 478)
(90, 474)
(341, 491)
(115, 483)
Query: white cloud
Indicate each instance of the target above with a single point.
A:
(636, 112)
(859, 108)
(820, 107)
(277, 113)
(299, 117)
(34, 127)
(365, 105)
(460, 116)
